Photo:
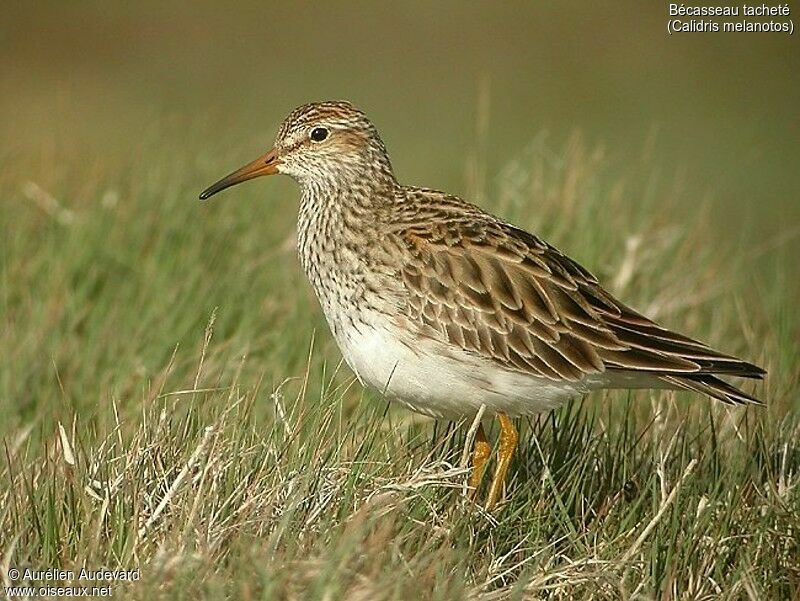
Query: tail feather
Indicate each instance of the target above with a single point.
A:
(713, 387)
(675, 359)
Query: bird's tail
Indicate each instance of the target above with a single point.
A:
(712, 386)
(676, 360)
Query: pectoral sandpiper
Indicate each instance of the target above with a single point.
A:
(445, 308)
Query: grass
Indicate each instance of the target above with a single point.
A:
(173, 401)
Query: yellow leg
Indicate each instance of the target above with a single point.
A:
(508, 444)
(480, 455)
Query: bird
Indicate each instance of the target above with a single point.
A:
(453, 312)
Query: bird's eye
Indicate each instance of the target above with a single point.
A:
(318, 134)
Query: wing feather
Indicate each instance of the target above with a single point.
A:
(504, 294)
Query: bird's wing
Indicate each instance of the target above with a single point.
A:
(500, 292)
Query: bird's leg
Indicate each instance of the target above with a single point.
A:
(508, 444)
(480, 454)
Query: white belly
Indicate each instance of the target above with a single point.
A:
(447, 382)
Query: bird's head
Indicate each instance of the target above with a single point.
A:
(319, 144)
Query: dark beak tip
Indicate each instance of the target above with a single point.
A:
(209, 192)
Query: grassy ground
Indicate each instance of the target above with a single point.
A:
(173, 402)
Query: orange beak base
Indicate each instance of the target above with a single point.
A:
(263, 165)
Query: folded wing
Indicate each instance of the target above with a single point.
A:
(497, 291)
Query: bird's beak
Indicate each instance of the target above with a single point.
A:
(263, 165)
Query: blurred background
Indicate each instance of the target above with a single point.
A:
(115, 115)
(723, 108)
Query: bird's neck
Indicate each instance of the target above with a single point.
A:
(337, 219)
(347, 201)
